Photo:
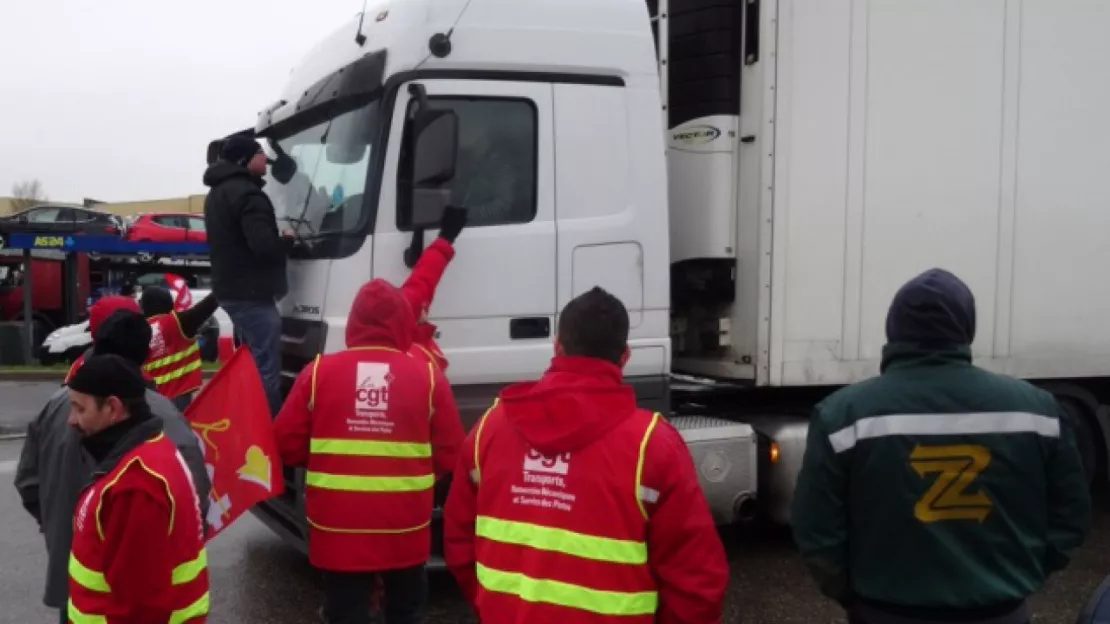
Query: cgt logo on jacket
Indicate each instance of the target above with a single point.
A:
(83, 510)
(372, 381)
(545, 483)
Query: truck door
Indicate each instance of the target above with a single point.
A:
(495, 306)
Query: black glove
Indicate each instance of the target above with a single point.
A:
(452, 223)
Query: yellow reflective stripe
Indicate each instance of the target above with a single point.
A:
(178, 373)
(386, 349)
(191, 612)
(328, 529)
(76, 617)
(346, 483)
(432, 391)
(567, 595)
(173, 358)
(196, 610)
(89, 579)
(188, 572)
(562, 541)
(119, 475)
(640, 464)
(370, 448)
(478, 440)
(312, 395)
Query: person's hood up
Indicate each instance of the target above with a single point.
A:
(935, 308)
(577, 401)
(380, 317)
(105, 307)
(221, 171)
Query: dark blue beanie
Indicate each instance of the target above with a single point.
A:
(935, 307)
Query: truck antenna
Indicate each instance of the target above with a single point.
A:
(360, 38)
(440, 43)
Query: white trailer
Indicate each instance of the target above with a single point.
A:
(754, 179)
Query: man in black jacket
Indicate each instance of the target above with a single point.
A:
(248, 254)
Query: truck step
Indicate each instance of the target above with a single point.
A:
(725, 454)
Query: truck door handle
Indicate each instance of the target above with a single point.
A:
(527, 327)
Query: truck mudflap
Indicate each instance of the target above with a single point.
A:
(726, 457)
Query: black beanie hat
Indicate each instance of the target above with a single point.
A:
(109, 375)
(239, 149)
(156, 300)
(124, 333)
(934, 308)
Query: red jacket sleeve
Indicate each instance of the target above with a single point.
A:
(293, 426)
(420, 287)
(459, 517)
(136, 521)
(447, 430)
(685, 552)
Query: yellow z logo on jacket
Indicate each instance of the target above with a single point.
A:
(957, 467)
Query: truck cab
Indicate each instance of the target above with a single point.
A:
(557, 153)
(555, 156)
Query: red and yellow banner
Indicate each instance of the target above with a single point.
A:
(231, 419)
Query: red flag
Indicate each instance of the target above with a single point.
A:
(231, 419)
(179, 288)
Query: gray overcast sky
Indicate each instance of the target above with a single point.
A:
(117, 99)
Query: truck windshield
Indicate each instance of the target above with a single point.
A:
(330, 167)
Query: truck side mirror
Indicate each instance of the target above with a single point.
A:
(434, 155)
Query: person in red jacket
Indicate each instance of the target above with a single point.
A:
(137, 554)
(420, 287)
(376, 428)
(570, 504)
(98, 313)
(175, 361)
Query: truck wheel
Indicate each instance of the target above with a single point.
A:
(1085, 434)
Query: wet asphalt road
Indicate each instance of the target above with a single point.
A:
(20, 401)
(256, 578)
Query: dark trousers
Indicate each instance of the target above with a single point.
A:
(63, 615)
(258, 325)
(347, 596)
(183, 401)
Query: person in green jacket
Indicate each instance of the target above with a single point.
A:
(938, 491)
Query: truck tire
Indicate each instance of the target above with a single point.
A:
(1082, 419)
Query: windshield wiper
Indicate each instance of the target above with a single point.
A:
(299, 219)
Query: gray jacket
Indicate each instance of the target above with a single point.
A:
(54, 469)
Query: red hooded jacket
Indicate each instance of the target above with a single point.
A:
(583, 442)
(98, 313)
(138, 551)
(419, 290)
(376, 427)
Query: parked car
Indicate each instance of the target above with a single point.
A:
(62, 219)
(167, 228)
(65, 344)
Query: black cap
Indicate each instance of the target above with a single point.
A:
(124, 333)
(109, 375)
(239, 149)
(156, 300)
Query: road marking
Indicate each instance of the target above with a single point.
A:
(7, 467)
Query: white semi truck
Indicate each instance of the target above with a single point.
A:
(753, 178)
